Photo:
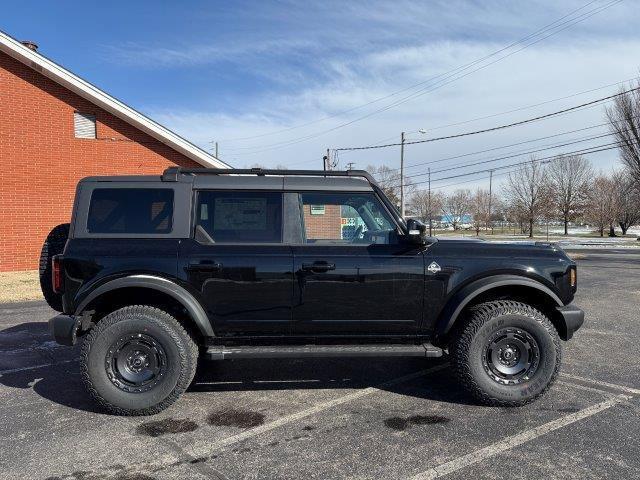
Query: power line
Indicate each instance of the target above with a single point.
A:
(521, 152)
(519, 109)
(517, 153)
(430, 162)
(421, 92)
(493, 129)
(588, 151)
(584, 151)
(380, 143)
(411, 87)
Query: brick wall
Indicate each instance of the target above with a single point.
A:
(325, 226)
(41, 161)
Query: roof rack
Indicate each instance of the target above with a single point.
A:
(171, 174)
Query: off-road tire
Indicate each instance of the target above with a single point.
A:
(53, 245)
(467, 350)
(181, 360)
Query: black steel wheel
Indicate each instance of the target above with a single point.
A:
(137, 361)
(505, 353)
(511, 356)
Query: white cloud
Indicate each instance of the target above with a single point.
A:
(359, 66)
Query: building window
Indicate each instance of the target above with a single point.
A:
(84, 125)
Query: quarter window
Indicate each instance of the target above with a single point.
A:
(131, 210)
(240, 217)
(346, 218)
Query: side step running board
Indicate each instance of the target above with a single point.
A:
(220, 352)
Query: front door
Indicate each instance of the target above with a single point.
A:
(239, 263)
(352, 274)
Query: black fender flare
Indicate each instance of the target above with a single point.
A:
(465, 295)
(160, 284)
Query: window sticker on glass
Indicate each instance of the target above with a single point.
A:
(240, 214)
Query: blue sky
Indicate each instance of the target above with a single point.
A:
(228, 70)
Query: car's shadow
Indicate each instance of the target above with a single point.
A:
(415, 377)
(58, 380)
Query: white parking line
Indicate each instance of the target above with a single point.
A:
(515, 440)
(577, 386)
(225, 442)
(621, 388)
(34, 367)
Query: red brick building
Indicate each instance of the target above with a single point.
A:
(56, 128)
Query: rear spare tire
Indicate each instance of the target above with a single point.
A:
(137, 361)
(506, 353)
(53, 245)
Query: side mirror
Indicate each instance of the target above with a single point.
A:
(416, 231)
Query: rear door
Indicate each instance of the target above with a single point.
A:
(353, 275)
(238, 262)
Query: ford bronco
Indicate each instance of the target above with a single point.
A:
(153, 272)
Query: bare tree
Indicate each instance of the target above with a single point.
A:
(627, 202)
(480, 210)
(624, 120)
(602, 203)
(526, 191)
(259, 165)
(422, 207)
(569, 178)
(457, 205)
(389, 181)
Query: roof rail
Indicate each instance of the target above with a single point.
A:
(171, 174)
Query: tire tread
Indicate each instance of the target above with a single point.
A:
(188, 356)
(478, 315)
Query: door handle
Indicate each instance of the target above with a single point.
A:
(318, 267)
(204, 267)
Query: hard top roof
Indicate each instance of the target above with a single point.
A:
(333, 180)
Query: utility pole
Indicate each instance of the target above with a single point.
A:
(489, 215)
(214, 147)
(429, 205)
(350, 166)
(402, 175)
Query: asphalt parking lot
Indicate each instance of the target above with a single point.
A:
(336, 418)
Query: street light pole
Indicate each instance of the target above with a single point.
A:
(429, 205)
(402, 212)
(490, 196)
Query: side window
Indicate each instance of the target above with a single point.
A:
(346, 218)
(131, 210)
(240, 217)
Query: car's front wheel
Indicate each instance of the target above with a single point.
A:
(138, 360)
(506, 353)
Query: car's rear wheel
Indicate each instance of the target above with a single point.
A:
(506, 353)
(138, 360)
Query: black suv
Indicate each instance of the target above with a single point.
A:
(154, 271)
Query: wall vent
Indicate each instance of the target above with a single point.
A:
(84, 125)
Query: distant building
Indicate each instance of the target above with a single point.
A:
(448, 218)
(56, 128)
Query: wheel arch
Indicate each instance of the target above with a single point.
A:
(496, 287)
(148, 289)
